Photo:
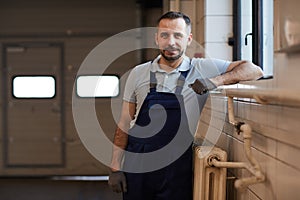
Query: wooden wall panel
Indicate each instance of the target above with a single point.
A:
(80, 26)
(50, 17)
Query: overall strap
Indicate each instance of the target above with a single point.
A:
(179, 85)
(184, 73)
(153, 82)
(180, 81)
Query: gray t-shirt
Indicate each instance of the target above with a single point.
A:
(137, 85)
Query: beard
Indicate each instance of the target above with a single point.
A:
(173, 57)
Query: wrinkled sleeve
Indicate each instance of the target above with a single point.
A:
(211, 67)
(221, 65)
(130, 86)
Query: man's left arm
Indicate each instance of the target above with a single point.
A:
(238, 71)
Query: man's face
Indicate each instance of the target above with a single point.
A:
(173, 37)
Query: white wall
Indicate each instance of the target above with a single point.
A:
(211, 25)
(275, 132)
(276, 137)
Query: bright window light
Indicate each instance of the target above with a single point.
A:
(34, 87)
(97, 86)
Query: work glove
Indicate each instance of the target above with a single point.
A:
(117, 182)
(202, 86)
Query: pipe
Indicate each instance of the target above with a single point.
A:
(243, 183)
(246, 130)
(253, 166)
(214, 162)
(231, 112)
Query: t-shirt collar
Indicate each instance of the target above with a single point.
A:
(184, 66)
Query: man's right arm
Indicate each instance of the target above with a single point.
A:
(117, 179)
(121, 134)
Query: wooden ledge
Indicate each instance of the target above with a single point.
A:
(265, 95)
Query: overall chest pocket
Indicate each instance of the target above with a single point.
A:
(165, 103)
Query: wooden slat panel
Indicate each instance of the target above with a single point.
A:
(33, 122)
(19, 17)
(24, 152)
(34, 126)
(34, 61)
(59, 16)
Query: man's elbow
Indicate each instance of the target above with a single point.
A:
(257, 72)
(253, 71)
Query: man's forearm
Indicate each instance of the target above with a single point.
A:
(120, 143)
(121, 137)
(244, 71)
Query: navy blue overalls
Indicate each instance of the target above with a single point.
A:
(174, 181)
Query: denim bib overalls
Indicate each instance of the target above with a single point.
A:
(171, 182)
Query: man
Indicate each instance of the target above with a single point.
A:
(158, 95)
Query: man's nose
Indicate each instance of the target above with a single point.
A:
(171, 40)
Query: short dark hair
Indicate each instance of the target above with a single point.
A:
(175, 15)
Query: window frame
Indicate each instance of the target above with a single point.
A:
(258, 54)
(35, 75)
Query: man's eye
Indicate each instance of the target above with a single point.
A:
(164, 35)
(178, 35)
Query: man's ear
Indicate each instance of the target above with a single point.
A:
(190, 39)
(156, 39)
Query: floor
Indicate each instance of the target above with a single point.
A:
(45, 189)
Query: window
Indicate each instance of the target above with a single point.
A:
(97, 86)
(255, 32)
(268, 38)
(33, 87)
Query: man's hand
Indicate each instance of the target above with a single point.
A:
(117, 182)
(202, 86)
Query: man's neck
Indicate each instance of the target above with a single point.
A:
(169, 65)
